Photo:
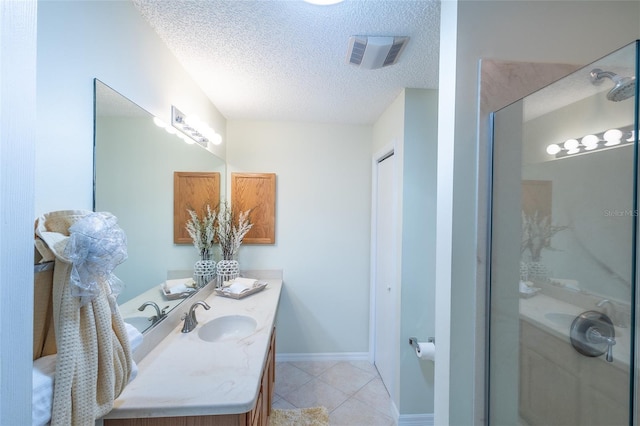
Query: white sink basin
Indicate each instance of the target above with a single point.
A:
(563, 320)
(141, 323)
(229, 327)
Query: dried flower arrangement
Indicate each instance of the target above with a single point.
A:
(228, 233)
(537, 231)
(202, 231)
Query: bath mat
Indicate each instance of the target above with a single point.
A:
(314, 416)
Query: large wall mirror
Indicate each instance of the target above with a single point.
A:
(135, 161)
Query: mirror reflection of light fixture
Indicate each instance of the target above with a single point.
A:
(171, 130)
(194, 128)
(594, 142)
(590, 142)
(613, 137)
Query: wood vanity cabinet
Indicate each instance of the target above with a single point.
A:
(559, 386)
(259, 416)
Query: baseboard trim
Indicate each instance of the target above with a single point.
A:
(415, 420)
(323, 356)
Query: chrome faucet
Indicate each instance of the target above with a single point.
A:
(190, 320)
(160, 314)
(593, 335)
(612, 312)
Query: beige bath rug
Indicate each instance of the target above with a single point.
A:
(314, 416)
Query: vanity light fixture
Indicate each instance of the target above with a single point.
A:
(594, 142)
(172, 131)
(194, 129)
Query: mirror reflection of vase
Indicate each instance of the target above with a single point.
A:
(537, 272)
(204, 271)
(227, 270)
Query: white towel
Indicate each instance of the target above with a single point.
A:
(237, 288)
(248, 282)
(135, 337)
(43, 371)
(178, 283)
(177, 289)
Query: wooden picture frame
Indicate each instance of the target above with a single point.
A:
(536, 198)
(256, 192)
(192, 191)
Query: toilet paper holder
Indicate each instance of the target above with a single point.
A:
(414, 341)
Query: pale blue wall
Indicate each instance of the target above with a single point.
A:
(418, 247)
(77, 42)
(409, 126)
(323, 203)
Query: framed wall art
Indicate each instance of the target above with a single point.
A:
(256, 192)
(192, 191)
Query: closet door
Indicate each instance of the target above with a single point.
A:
(385, 286)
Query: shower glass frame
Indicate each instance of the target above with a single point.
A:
(634, 260)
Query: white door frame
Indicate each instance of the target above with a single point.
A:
(18, 49)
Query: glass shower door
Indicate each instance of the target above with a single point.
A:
(563, 247)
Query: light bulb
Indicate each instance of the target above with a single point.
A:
(208, 132)
(186, 139)
(216, 139)
(612, 137)
(590, 142)
(553, 149)
(631, 136)
(571, 145)
(170, 130)
(159, 122)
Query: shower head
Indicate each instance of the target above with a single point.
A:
(624, 88)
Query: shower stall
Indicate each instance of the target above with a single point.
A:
(563, 273)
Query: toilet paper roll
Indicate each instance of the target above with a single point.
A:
(426, 350)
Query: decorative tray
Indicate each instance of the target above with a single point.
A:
(530, 292)
(174, 296)
(258, 287)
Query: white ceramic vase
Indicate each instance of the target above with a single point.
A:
(227, 270)
(204, 271)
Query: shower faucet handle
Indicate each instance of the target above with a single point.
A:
(592, 334)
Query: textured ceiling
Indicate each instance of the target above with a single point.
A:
(286, 60)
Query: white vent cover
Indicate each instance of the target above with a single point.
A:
(375, 52)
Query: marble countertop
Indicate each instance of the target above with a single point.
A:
(555, 317)
(186, 376)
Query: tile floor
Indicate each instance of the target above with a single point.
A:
(351, 391)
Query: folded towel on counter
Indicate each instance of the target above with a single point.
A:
(177, 289)
(248, 282)
(241, 285)
(180, 285)
(237, 288)
(571, 285)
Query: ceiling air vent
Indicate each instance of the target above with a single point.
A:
(375, 52)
